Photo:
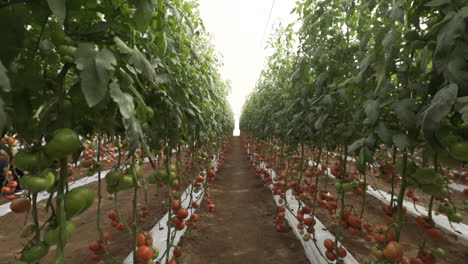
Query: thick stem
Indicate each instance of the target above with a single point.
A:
(61, 217)
(393, 178)
(135, 204)
(35, 217)
(98, 218)
(401, 196)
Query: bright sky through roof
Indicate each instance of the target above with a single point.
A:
(238, 28)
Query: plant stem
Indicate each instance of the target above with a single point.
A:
(401, 196)
(61, 217)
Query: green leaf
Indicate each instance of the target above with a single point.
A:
(4, 81)
(12, 39)
(105, 62)
(440, 106)
(397, 13)
(464, 112)
(356, 145)
(95, 70)
(127, 109)
(58, 8)
(143, 14)
(384, 134)
(123, 100)
(401, 141)
(405, 111)
(436, 3)
(372, 111)
(137, 59)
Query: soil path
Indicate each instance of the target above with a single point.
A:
(241, 230)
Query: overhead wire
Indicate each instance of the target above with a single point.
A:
(268, 22)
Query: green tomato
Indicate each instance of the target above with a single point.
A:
(66, 50)
(65, 141)
(149, 112)
(35, 253)
(160, 174)
(113, 177)
(338, 186)
(144, 113)
(126, 182)
(170, 180)
(438, 252)
(347, 187)
(172, 168)
(459, 150)
(29, 161)
(456, 218)
(447, 208)
(444, 192)
(112, 188)
(38, 183)
(152, 179)
(156, 252)
(52, 233)
(138, 169)
(25, 160)
(78, 200)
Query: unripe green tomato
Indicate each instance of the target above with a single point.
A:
(67, 59)
(347, 187)
(459, 151)
(52, 233)
(112, 188)
(438, 252)
(447, 208)
(38, 183)
(35, 253)
(65, 141)
(338, 186)
(78, 200)
(113, 177)
(66, 50)
(456, 218)
(126, 182)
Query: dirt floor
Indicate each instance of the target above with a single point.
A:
(241, 230)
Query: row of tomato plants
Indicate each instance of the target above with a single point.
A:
(121, 178)
(297, 175)
(141, 74)
(368, 79)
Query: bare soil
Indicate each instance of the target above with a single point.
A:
(241, 230)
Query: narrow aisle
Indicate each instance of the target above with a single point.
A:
(241, 230)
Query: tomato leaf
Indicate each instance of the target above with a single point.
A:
(95, 70)
(127, 109)
(384, 134)
(372, 112)
(4, 81)
(143, 14)
(58, 8)
(436, 3)
(440, 106)
(401, 141)
(137, 59)
(405, 111)
(123, 100)
(358, 144)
